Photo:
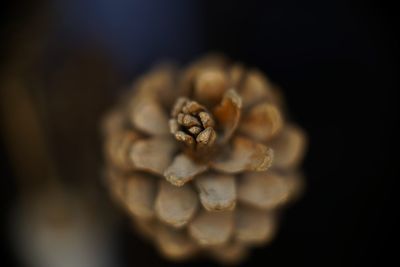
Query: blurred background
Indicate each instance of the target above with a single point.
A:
(64, 62)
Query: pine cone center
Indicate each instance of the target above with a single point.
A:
(192, 125)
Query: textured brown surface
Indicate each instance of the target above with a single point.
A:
(203, 158)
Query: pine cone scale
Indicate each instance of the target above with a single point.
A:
(217, 192)
(183, 169)
(175, 205)
(246, 155)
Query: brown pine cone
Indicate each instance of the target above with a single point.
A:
(203, 159)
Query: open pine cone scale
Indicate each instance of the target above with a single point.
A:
(203, 158)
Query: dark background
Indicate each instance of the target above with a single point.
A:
(336, 62)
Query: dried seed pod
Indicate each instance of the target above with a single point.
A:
(173, 243)
(231, 253)
(262, 122)
(212, 228)
(192, 125)
(153, 154)
(202, 159)
(210, 85)
(217, 191)
(264, 190)
(183, 169)
(245, 156)
(175, 205)
(254, 226)
(289, 147)
(140, 190)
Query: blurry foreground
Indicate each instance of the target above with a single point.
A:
(59, 217)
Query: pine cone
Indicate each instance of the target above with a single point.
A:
(203, 159)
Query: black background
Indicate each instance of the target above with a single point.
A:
(336, 62)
